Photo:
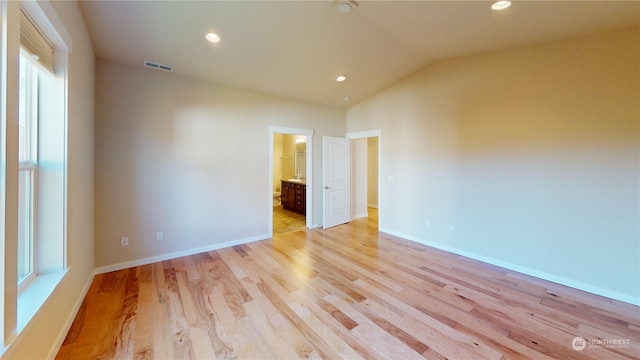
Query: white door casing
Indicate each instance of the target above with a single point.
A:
(336, 169)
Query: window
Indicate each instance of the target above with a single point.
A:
(42, 152)
(42, 155)
(42, 158)
(40, 180)
(28, 158)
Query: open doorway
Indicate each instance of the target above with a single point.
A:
(373, 146)
(289, 183)
(365, 174)
(290, 179)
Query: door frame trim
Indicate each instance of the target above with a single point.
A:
(309, 191)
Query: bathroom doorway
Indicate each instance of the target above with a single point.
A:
(290, 179)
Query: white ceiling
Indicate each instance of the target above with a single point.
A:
(296, 49)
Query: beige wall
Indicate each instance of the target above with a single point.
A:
(47, 329)
(532, 154)
(189, 158)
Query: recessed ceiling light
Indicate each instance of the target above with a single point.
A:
(347, 98)
(341, 78)
(501, 5)
(212, 37)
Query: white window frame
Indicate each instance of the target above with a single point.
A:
(30, 164)
(51, 259)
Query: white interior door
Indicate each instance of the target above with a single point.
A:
(336, 169)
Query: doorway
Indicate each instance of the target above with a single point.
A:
(290, 180)
(366, 174)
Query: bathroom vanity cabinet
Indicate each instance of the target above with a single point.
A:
(293, 196)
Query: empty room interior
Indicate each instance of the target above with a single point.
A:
(320, 179)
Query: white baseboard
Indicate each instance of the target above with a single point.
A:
(523, 269)
(360, 216)
(177, 254)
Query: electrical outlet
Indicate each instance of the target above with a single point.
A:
(452, 229)
(159, 236)
(428, 224)
(124, 241)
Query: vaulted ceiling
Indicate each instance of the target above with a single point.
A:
(297, 49)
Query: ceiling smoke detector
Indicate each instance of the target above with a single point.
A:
(346, 7)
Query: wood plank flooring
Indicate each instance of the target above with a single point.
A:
(347, 292)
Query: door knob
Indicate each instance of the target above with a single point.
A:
(326, 187)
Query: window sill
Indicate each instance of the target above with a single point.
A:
(34, 295)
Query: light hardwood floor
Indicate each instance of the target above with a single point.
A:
(346, 292)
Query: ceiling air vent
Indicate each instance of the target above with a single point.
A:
(155, 65)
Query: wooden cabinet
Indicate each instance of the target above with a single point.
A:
(301, 200)
(287, 190)
(293, 196)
